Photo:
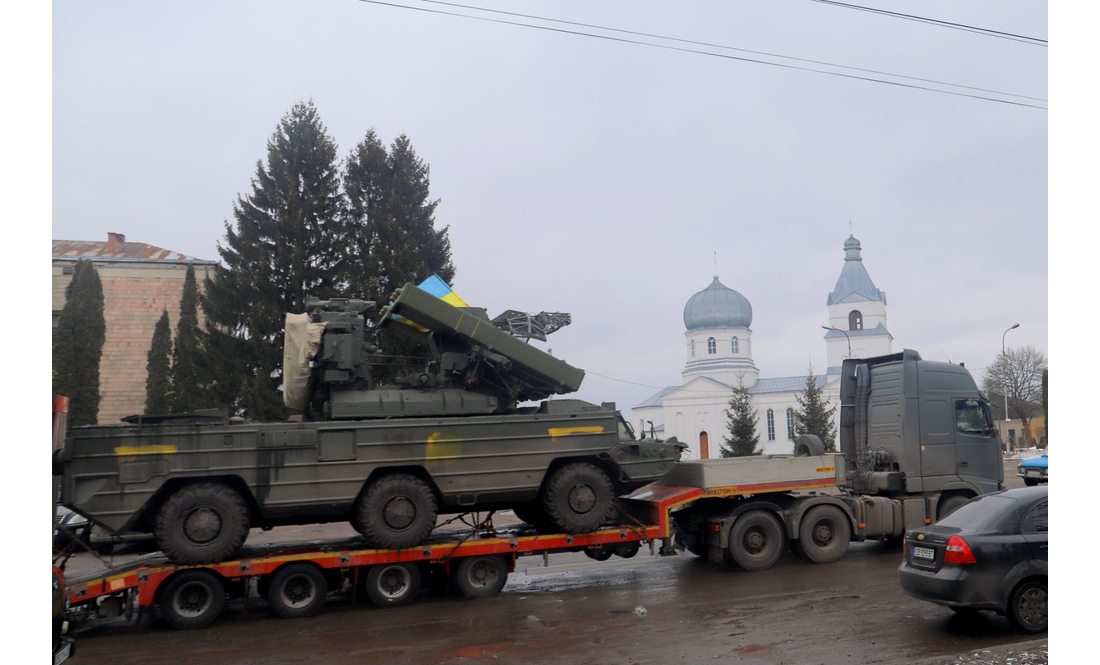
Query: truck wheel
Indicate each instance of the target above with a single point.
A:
(599, 554)
(393, 584)
(202, 523)
(757, 540)
(1027, 611)
(396, 511)
(192, 599)
(481, 576)
(949, 506)
(578, 498)
(530, 513)
(807, 445)
(628, 550)
(297, 590)
(824, 534)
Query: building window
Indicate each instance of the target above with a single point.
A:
(68, 270)
(56, 318)
(733, 345)
(692, 348)
(704, 446)
(771, 425)
(855, 320)
(790, 424)
(712, 346)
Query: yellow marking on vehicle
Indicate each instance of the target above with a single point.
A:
(826, 469)
(127, 451)
(555, 432)
(441, 451)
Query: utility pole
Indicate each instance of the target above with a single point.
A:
(1004, 376)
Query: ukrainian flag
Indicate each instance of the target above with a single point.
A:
(440, 289)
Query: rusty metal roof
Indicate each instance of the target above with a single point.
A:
(140, 251)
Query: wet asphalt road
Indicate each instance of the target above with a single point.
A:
(851, 611)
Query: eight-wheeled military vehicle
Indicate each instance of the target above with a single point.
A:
(452, 438)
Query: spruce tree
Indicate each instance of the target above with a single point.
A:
(741, 422)
(78, 345)
(158, 382)
(187, 392)
(813, 415)
(282, 250)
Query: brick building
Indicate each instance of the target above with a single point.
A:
(139, 282)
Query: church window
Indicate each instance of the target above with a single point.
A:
(704, 446)
(733, 345)
(771, 425)
(692, 348)
(790, 424)
(855, 320)
(712, 346)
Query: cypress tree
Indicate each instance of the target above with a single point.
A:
(187, 394)
(741, 422)
(78, 345)
(813, 415)
(158, 382)
(282, 250)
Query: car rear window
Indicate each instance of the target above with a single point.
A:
(978, 513)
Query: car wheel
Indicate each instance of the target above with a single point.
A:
(297, 590)
(578, 498)
(1027, 611)
(396, 511)
(393, 584)
(1031, 482)
(481, 576)
(756, 540)
(824, 534)
(950, 505)
(192, 599)
(202, 523)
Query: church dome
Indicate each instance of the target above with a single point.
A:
(717, 306)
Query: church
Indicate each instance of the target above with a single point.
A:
(718, 352)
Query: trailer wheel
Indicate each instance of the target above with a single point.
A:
(192, 599)
(950, 505)
(578, 498)
(599, 554)
(202, 523)
(396, 511)
(297, 590)
(628, 550)
(756, 540)
(393, 584)
(824, 534)
(481, 576)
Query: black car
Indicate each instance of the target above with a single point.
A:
(990, 554)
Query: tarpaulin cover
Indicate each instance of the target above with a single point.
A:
(303, 338)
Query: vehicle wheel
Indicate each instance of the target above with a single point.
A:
(824, 534)
(1027, 611)
(297, 590)
(965, 612)
(807, 445)
(192, 599)
(599, 554)
(393, 584)
(628, 550)
(396, 511)
(530, 513)
(202, 523)
(481, 576)
(950, 505)
(1031, 482)
(756, 540)
(578, 498)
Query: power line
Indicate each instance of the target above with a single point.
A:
(717, 55)
(1034, 41)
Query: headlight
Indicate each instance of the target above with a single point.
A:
(1019, 468)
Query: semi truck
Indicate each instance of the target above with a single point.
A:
(744, 511)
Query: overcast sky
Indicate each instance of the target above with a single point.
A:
(603, 178)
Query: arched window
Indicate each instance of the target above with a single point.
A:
(733, 345)
(712, 346)
(692, 348)
(771, 425)
(855, 320)
(790, 424)
(704, 446)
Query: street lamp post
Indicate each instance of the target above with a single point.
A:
(1004, 376)
(846, 337)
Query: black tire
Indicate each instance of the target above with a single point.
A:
(628, 550)
(481, 576)
(757, 540)
(599, 554)
(950, 505)
(396, 511)
(393, 584)
(965, 612)
(1031, 482)
(530, 513)
(824, 534)
(807, 445)
(297, 590)
(1027, 611)
(578, 498)
(202, 523)
(192, 599)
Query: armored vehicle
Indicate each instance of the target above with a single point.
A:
(452, 438)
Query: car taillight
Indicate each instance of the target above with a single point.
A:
(958, 551)
(904, 546)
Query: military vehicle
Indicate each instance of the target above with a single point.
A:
(452, 438)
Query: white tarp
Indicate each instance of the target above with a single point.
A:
(303, 338)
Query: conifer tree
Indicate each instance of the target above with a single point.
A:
(158, 382)
(741, 422)
(813, 415)
(187, 391)
(281, 250)
(78, 345)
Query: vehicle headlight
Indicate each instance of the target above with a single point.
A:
(1019, 468)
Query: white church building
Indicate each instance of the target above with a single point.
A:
(718, 348)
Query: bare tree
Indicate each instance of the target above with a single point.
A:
(1018, 373)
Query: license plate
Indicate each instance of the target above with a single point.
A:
(1031, 472)
(924, 553)
(62, 654)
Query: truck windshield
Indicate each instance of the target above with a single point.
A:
(626, 432)
(971, 418)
